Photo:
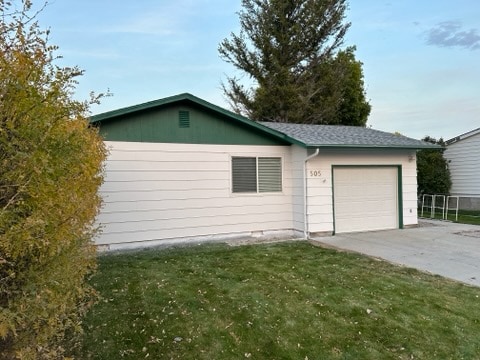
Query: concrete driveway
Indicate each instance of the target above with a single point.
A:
(443, 248)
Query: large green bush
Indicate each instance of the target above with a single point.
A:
(433, 175)
(50, 171)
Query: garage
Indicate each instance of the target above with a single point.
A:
(365, 198)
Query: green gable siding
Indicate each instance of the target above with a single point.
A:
(167, 124)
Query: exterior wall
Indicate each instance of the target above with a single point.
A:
(298, 204)
(156, 192)
(464, 163)
(319, 182)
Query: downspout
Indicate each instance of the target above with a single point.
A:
(305, 197)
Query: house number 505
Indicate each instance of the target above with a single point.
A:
(315, 173)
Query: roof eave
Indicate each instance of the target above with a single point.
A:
(462, 136)
(357, 146)
(110, 115)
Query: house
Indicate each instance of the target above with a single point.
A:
(181, 169)
(463, 156)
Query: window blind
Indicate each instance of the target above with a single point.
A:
(244, 174)
(269, 174)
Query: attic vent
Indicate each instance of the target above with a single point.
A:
(183, 119)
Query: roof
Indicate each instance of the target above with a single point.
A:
(346, 136)
(300, 134)
(462, 136)
(190, 99)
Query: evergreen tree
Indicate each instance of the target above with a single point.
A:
(353, 109)
(292, 51)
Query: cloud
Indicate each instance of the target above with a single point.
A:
(451, 34)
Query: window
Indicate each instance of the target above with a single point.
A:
(252, 174)
(269, 174)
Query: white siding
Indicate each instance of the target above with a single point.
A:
(319, 180)
(298, 156)
(464, 164)
(167, 192)
(173, 191)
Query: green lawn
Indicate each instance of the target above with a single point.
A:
(275, 301)
(464, 216)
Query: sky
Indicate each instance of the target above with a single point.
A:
(421, 58)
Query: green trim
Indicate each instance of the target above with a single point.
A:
(333, 198)
(400, 196)
(399, 189)
(193, 100)
(262, 130)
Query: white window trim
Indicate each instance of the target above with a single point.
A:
(257, 193)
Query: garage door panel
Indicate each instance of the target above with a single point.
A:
(358, 223)
(365, 194)
(365, 198)
(374, 208)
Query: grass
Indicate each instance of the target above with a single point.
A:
(275, 301)
(464, 216)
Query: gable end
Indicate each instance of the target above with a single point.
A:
(183, 121)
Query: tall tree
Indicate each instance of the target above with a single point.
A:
(291, 49)
(50, 171)
(353, 108)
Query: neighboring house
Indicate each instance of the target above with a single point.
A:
(182, 169)
(463, 156)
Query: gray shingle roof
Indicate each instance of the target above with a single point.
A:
(345, 136)
(302, 134)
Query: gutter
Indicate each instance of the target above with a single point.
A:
(305, 197)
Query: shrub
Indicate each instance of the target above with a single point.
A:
(50, 171)
(433, 175)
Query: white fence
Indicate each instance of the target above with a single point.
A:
(440, 206)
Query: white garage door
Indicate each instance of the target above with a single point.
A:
(365, 198)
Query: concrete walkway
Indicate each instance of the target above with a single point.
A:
(443, 248)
